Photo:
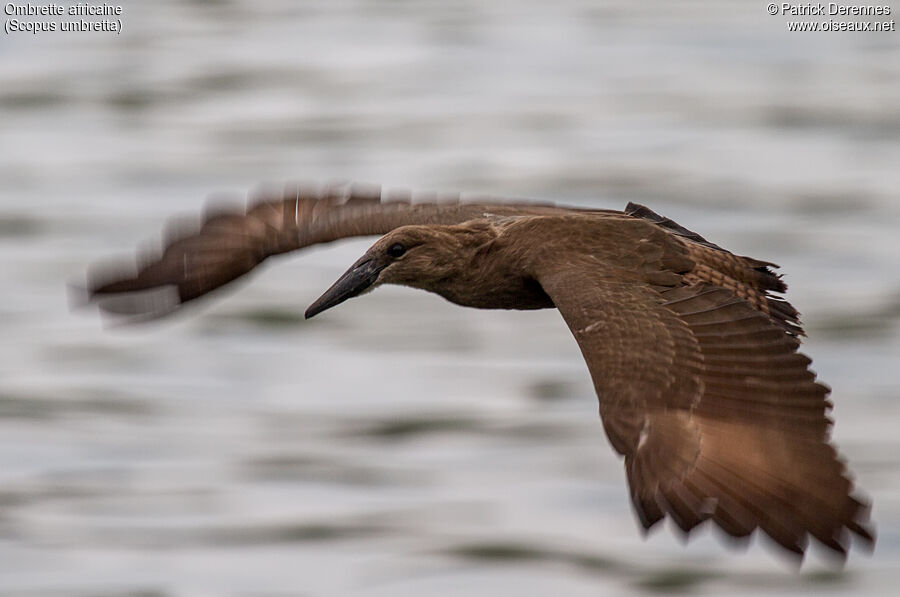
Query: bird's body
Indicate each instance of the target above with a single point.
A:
(692, 353)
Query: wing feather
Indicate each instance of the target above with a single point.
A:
(715, 411)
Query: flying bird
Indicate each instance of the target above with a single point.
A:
(692, 350)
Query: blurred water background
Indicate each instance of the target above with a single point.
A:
(399, 445)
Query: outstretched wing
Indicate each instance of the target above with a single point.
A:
(715, 411)
(196, 260)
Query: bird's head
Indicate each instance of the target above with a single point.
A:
(426, 257)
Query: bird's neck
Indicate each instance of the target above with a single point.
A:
(492, 275)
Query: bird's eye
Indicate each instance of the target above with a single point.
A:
(396, 250)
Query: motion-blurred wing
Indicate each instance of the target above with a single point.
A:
(198, 259)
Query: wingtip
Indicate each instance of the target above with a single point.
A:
(647, 512)
(864, 533)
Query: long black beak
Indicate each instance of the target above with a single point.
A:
(355, 280)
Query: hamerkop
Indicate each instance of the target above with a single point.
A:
(692, 352)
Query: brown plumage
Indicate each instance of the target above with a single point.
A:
(693, 355)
